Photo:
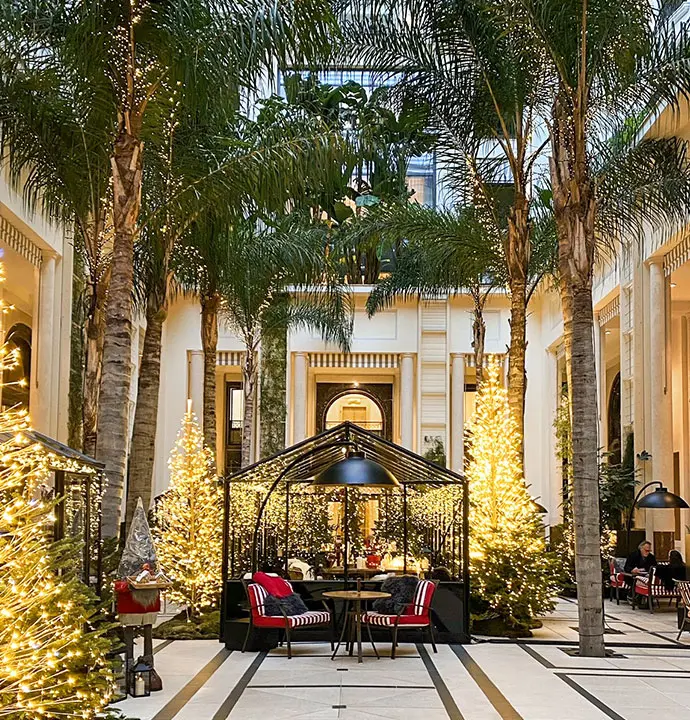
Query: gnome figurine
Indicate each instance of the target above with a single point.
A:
(138, 590)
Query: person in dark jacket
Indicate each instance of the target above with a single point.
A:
(642, 560)
(675, 570)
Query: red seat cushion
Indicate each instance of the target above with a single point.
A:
(374, 618)
(313, 617)
(273, 584)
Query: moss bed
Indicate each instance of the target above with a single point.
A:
(204, 627)
(498, 627)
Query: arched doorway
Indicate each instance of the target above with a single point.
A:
(16, 380)
(358, 407)
(614, 420)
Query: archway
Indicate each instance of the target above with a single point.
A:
(14, 392)
(358, 407)
(614, 420)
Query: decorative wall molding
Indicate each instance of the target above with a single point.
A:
(678, 255)
(610, 311)
(19, 242)
(353, 360)
(230, 357)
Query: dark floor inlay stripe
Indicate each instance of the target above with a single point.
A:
(175, 704)
(441, 688)
(162, 645)
(537, 656)
(493, 694)
(589, 697)
(236, 693)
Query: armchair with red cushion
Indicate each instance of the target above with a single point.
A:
(416, 615)
(263, 616)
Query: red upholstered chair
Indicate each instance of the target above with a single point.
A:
(683, 587)
(416, 615)
(617, 581)
(285, 623)
(651, 588)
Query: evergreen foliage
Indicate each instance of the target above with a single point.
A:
(513, 576)
(189, 519)
(52, 648)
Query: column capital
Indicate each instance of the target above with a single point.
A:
(407, 355)
(657, 260)
(300, 353)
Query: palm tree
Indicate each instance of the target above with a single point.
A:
(189, 174)
(57, 153)
(137, 53)
(455, 59)
(451, 251)
(260, 281)
(610, 65)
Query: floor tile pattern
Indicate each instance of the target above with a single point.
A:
(648, 674)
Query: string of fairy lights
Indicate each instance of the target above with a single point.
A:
(52, 658)
(189, 521)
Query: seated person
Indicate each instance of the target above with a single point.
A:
(675, 570)
(642, 560)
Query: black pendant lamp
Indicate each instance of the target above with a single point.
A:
(661, 498)
(356, 471)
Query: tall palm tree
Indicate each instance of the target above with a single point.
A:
(139, 52)
(188, 176)
(481, 91)
(451, 251)
(609, 65)
(280, 279)
(56, 149)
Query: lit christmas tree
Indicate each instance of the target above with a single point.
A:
(514, 578)
(52, 659)
(190, 522)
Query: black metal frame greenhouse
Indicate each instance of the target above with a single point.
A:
(296, 468)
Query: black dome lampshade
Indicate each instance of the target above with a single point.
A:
(661, 498)
(356, 471)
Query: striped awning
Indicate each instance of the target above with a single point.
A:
(353, 360)
(230, 357)
(677, 256)
(610, 311)
(19, 242)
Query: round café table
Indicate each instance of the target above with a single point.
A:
(355, 598)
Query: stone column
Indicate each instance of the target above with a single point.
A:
(299, 397)
(457, 412)
(41, 390)
(195, 383)
(407, 393)
(660, 389)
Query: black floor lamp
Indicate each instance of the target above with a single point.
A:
(660, 499)
(354, 471)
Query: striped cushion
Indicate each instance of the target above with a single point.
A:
(422, 598)
(658, 588)
(313, 617)
(374, 618)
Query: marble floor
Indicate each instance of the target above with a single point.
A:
(537, 679)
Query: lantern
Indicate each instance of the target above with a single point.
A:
(140, 679)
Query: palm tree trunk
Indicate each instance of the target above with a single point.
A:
(478, 333)
(209, 344)
(93, 360)
(142, 451)
(574, 209)
(249, 373)
(113, 405)
(517, 258)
